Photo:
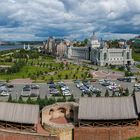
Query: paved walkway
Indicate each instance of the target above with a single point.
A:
(104, 74)
(21, 81)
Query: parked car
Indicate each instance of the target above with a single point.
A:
(52, 86)
(111, 87)
(76, 81)
(94, 90)
(105, 84)
(64, 88)
(26, 89)
(25, 94)
(66, 93)
(79, 85)
(33, 95)
(35, 87)
(3, 88)
(54, 91)
(4, 93)
(27, 86)
(120, 79)
(50, 82)
(10, 86)
(137, 85)
(101, 81)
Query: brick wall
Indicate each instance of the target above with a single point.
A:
(112, 133)
(19, 136)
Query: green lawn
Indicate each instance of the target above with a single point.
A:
(136, 56)
(44, 68)
(24, 73)
(28, 71)
(136, 138)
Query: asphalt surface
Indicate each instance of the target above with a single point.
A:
(44, 89)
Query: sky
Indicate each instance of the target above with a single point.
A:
(70, 19)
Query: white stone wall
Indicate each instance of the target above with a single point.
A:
(78, 53)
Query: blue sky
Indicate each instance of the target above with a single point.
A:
(71, 19)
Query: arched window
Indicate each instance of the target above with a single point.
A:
(51, 111)
(127, 55)
(105, 56)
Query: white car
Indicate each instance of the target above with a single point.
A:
(113, 84)
(66, 93)
(64, 88)
(111, 87)
(101, 81)
(79, 85)
(4, 93)
(137, 85)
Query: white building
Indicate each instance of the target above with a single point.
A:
(99, 53)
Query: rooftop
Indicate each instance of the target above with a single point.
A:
(107, 108)
(19, 113)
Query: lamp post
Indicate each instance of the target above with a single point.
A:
(16, 95)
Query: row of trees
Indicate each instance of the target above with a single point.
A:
(16, 67)
(41, 102)
(32, 54)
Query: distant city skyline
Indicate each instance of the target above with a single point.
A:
(71, 19)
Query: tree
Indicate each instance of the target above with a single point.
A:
(10, 98)
(71, 99)
(29, 101)
(126, 93)
(7, 80)
(51, 79)
(133, 93)
(121, 91)
(106, 93)
(46, 97)
(20, 100)
(38, 99)
(82, 94)
(113, 94)
(98, 94)
(66, 76)
(89, 94)
(59, 76)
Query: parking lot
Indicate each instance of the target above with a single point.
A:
(43, 90)
(77, 92)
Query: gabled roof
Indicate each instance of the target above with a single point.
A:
(107, 108)
(137, 99)
(19, 113)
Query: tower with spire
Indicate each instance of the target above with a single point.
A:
(94, 42)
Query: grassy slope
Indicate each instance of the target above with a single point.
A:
(136, 56)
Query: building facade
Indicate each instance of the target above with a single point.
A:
(100, 54)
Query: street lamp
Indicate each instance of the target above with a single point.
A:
(16, 95)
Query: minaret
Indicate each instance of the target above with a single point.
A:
(28, 48)
(24, 47)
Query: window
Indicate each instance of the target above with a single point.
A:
(127, 55)
(105, 56)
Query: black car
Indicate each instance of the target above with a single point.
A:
(26, 89)
(50, 82)
(33, 95)
(105, 84)
(120, 79)
(52, 86)
(34, 86)
(10, 86)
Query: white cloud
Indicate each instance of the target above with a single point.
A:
(70, 18)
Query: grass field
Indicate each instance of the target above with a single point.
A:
(46, 68)
(137, 138)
